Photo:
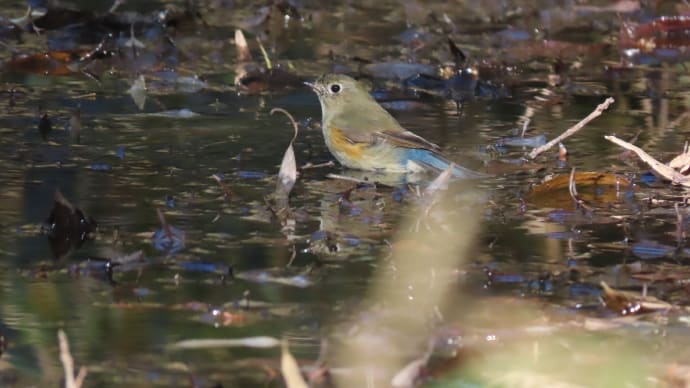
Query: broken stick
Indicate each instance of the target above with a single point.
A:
(660, 168)
(570, 131)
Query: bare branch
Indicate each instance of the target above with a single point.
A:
(658, 167)
(68, 363)
(596, 113)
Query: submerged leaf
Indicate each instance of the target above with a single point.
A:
(67, 227)
(581, 179)
(168, 238)
(51, 63)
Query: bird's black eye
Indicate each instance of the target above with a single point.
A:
(335, 88)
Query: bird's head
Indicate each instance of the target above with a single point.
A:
(336, 91)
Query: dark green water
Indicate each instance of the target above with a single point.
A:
(124, 332)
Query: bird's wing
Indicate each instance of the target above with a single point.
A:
(406, 139)
(367, 128)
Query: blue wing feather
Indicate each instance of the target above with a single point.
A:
(432, 160)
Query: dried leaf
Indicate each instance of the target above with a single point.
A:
(243, 53)
(581, 179)
(626, 303)
(287, 176)
(138, 92)
(51, 63)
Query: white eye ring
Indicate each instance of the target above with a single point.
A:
(335, 88)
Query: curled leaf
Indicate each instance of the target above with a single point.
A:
(243, 53)
(287, 176)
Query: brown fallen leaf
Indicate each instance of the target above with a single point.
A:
(561, 182)
(49, 63)
(626, 303)
(555, 191)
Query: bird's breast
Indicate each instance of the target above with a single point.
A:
(341, 146)
(379, 156)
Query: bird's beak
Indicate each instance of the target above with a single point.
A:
(310, 84)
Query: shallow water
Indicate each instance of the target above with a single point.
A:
(130, 162)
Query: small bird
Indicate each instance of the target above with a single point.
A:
(363, 135)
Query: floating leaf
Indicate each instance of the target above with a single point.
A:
(261, 342)
(138, 92)
(277, 275)
(51, 63)
(555, 190)
(175, 114)
(627, 303)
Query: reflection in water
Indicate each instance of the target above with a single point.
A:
(67, 227)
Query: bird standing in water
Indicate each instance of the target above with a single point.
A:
(362, 135)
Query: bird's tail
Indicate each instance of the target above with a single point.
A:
(431, 160)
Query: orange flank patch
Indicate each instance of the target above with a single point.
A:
(341, 143)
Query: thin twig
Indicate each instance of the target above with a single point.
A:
(660, 168)
(679, 225)
(524, 127)
(310, 165)
(85, 95)
(571, 186)
(347, 178)
(596, 113)
(295, 127)
(267, 59)
(68, 363)
(293, 254)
